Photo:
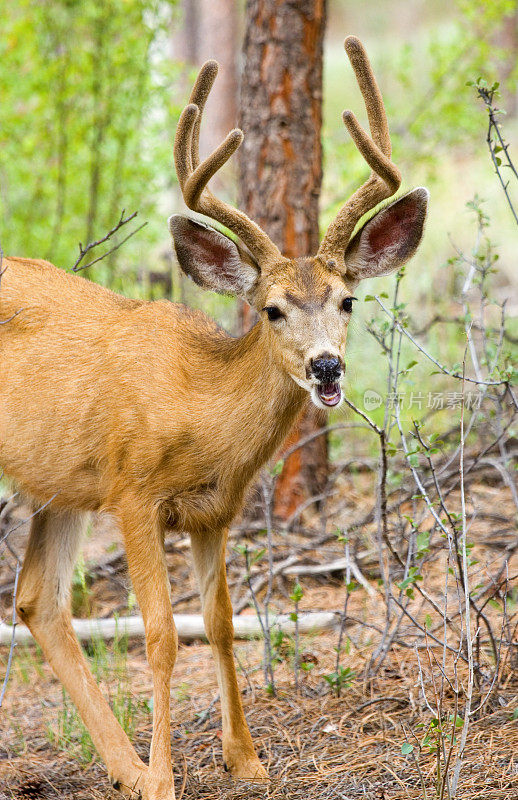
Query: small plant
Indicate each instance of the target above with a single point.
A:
(71, 733)
(438, 740)
(183, 692)
(296, 596)
(28, 661)
(338, 679)
(342, 678)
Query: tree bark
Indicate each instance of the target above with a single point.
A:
(281, 172)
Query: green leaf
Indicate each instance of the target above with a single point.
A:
(459, 722)
(257, 556)
(407, 748)
(297, 593)
(422, 542)
(277, 469)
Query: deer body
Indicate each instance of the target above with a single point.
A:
(151, 394)
(149, 411)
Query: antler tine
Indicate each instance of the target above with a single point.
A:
(193, 176)
(199, 94)
(371, 94)
(182, 149)
(385, 178)
(198, 180)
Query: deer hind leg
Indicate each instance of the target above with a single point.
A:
(209, 564)
(43, 603)
(148, 571)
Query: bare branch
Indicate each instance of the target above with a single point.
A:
(84, 250)
(421, 349)
(496, 143)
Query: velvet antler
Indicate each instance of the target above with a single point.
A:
(385, 178)
(193, 176)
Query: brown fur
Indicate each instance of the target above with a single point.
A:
(128, 389)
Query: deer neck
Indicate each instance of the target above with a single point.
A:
(262, 401)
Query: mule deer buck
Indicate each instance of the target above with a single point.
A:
(147, 410)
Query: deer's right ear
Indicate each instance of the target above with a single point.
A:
(213, 260)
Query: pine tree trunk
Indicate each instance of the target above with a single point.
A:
(281, 171)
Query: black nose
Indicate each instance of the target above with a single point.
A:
(326, 369)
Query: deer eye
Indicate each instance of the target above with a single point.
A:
(347, 304)
(273, 313)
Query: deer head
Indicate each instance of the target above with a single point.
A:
(305, 304)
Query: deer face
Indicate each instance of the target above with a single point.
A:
(305, 304)
(306, 307)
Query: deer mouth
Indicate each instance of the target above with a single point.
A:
(330, 394)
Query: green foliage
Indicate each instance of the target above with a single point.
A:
(85, 124)
(341, 679)
(407, 585)
(432, 105)
(28, 661)
(297, 593)
(71, 733)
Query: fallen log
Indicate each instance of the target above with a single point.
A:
(189, 626)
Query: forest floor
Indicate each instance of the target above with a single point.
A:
(313, 743)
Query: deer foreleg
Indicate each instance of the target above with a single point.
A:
(209, 563)
(148, 570)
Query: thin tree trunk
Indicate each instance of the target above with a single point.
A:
(209, 29)
(218, 39)
(281, 170)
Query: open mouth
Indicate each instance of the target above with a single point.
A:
(330, 394)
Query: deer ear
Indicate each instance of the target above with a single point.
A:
(213, 260)
(389, 239)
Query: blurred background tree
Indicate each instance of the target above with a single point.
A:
(85, 125)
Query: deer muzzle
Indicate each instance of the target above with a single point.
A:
(327, 370)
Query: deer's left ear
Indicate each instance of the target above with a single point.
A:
(389, 239)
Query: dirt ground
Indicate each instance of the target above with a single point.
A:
(314, 743)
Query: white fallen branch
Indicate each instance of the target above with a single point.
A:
(340, 565)
(189, 626)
